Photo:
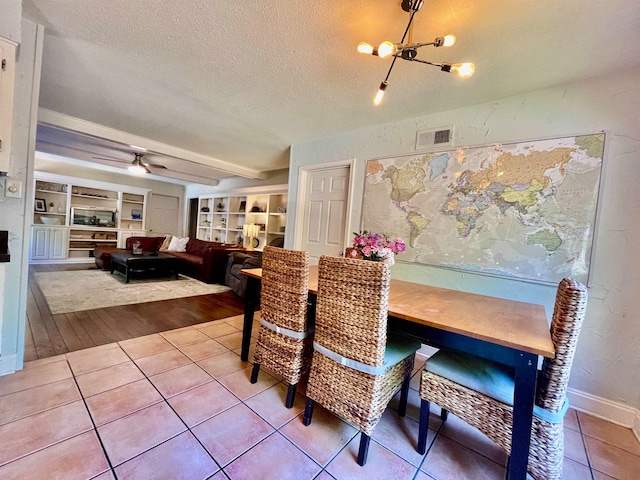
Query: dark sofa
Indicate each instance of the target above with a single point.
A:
(238, 261)
(205, 261)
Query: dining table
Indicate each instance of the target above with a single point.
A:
(510, 332)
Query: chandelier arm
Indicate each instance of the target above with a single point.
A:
(428, 63)
(393, 62)
(406, 30)
(417, 45)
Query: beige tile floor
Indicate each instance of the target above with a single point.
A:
(179, 405)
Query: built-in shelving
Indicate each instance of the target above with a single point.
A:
(89, 213)
(221, 218)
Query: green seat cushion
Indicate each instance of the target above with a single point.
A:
(493, 379)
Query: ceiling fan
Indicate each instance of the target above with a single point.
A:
(137, 166)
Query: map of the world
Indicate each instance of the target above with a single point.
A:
(523, 210)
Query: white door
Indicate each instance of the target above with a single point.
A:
(326, 198)
(164, 215)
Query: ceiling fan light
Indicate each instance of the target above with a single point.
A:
(138, 169)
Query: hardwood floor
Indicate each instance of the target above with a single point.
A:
(48, 335)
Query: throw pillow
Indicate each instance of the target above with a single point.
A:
(165, 243)
(178, 244)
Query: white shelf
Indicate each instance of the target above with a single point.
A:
(50, 191)
(81, 195)
(51, 213)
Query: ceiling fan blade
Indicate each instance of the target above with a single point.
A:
(154, 165)
(112, 159)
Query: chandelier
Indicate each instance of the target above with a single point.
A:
(409, 51)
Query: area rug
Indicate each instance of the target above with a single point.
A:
(75, 291)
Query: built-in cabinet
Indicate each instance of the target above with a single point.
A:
(49, 243)
(221, 217)
(71, 216)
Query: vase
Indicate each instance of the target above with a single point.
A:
(390, 260)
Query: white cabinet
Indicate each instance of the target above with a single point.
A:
(49, 243)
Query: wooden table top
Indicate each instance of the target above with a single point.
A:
(509, 323)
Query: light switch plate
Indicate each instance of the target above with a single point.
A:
(12, 189)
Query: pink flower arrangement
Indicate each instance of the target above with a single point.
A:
(375, 246)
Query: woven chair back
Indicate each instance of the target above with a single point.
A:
(351, 313)
(568, 314)
(285, 288)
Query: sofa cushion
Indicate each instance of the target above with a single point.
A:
(188, 257)
(198, 247)
(178, 244)
(165, 243)
(149, 244)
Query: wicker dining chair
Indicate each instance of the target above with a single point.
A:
(480, 392)
(284, 340)
(356, 368)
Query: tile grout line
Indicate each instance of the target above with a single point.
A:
(584, 446)
(95, 428)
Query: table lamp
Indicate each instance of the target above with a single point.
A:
(252, 231)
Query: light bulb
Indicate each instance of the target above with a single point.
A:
(377, 100)
(448, 40)
(387, 48)
(463, 70)
(364, 47)
(137, 169)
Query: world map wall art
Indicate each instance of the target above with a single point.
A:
(522, 210)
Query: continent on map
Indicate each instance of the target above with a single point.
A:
(549, 239)
(518, 181)
(467, 211)
(417, 224)
(407, 181)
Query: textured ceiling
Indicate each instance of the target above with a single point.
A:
(236, 83)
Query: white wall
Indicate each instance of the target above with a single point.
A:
(607, 362)
(13, 215)
(10, 19)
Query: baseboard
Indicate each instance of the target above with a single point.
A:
(613, 412)
(8, 364)
(62, 262)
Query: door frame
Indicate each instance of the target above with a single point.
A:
(303, 179)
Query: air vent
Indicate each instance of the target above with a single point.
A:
(434, 137)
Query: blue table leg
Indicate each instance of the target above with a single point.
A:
(523, 401)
